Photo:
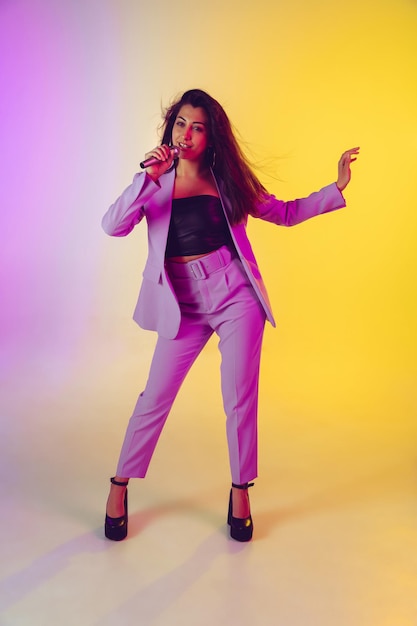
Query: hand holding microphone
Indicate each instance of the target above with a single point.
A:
(159, 160)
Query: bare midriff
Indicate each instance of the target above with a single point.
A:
(186, 259)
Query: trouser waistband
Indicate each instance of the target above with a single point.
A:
(201, 268)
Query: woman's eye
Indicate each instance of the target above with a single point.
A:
(179, 123)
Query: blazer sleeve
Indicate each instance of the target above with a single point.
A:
(296, 211)
(128, 210)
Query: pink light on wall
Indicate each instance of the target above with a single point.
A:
(59, 138)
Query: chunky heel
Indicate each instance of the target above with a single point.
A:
(241, 529)
(115, 528)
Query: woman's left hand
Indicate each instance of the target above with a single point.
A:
(344, 167)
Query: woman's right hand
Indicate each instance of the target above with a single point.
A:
(165, 158)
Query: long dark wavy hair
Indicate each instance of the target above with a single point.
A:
(242, 187)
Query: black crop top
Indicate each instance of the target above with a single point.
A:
(198, 225)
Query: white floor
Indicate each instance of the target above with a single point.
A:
(334, 508)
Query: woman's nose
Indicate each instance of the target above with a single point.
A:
(187, 133)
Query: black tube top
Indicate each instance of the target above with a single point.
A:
(198, 226)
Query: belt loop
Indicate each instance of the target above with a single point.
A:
(224, 255)
(220, 258)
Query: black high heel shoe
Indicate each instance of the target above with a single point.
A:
(115, 528)
(241, 529)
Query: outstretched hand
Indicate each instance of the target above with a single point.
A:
(344, 167)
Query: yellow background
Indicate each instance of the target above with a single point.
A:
(82, 86)
(302, 82)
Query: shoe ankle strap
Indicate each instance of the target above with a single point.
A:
(244, 486)
(118, 483)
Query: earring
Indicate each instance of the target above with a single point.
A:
(213, 157)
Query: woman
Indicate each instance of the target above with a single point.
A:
(201, 277)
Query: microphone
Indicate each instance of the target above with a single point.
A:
(153, 160)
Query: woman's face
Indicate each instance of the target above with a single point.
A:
(191, 133)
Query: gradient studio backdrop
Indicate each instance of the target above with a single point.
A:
(82, 85)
